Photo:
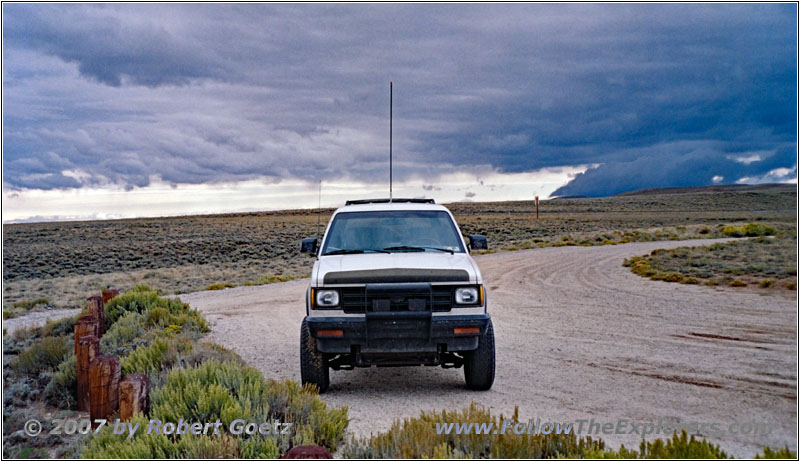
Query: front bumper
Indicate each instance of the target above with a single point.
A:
(397, 332)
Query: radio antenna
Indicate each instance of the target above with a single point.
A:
(319, 208)
(390, 141)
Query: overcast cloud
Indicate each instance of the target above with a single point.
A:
(657, 95)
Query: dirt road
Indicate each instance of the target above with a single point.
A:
(578, 337)
(37, 318)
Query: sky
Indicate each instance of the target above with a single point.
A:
(123, 110)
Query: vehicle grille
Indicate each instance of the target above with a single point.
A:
(355, 299)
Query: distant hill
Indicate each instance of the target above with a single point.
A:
(717, 188)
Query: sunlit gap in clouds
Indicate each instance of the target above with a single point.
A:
(162, 199)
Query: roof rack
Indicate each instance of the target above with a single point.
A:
(385, 201)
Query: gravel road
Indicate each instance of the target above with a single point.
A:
(37, 318)
(578, 337)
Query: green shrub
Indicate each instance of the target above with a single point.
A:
(46, 354)
(25, 333)
(783, 453)
(733, 231)
(220, 286)
(117, 341)
(58, 327)
(668, 277)
(28, 304)
(749, 230)
(417, 438)
(28, 452)
(206, 351)
(62, 391)
(641, 267)
(16, 394)
(293, 403)
(738, 283)
(758, 229)
(141, 299)
(767, 283)
(230, 390)
(158, 316)
(226, 391)
(106, 445)
(159, 355)
(681, 446)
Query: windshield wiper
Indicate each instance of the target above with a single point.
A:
(418, 249)
(353, 251)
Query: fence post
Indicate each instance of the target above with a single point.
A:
(537, 207)
(108, 294)
(96, 310)
(104, 372)
(133, 395)
(88, 349)
(86, 325)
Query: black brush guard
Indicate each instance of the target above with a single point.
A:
(398, 329)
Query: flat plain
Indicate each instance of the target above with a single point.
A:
(64, 261)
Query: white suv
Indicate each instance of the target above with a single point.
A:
(394, 285)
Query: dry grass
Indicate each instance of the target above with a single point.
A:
(765, 262)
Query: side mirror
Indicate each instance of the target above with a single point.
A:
(309, 245)
(477, 241)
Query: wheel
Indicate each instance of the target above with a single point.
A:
(479, 364)
(313, 367)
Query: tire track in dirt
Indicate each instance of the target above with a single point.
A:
(578, 336)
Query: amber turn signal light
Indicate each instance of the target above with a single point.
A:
(467, 330)
(330, 333)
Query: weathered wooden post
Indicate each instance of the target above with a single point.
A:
(133, 395)
(537, 207)
(108, 294)
(104, 372)
(86, 325)
(96, 310)
(88, 349)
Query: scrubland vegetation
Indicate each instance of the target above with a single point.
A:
(25, 306)
(64, 261)
(416, 438)
(190, 379)
(767, 260)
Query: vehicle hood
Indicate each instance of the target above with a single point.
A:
(395, 267)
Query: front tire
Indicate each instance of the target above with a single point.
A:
(479, 364)
(313, 366)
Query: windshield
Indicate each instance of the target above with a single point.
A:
(392, 231)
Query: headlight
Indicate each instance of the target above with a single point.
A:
(326, 298)
(467, 296)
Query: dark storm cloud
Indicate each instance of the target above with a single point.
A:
(678, 164)
(658, 95)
